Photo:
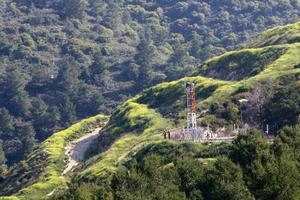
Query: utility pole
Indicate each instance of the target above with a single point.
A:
(191, 106)
(267, 131)
(242, 102)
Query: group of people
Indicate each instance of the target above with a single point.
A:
(167, 134)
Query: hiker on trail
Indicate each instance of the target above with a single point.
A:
(165, 134)
(169, 134)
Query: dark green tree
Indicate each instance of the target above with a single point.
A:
(53, 118)
(67, 110)
(28, 137)
(6, 123)
(225, 181)
(179, 55)
(144, 58)
(13, 94)
(67, 80)
(284, 108)
(37, 3)
(41, 118)
(291, 137)
(148, 181)
(72, 8)
(113, 16)
(88, 101)
(259, 165)
(196, 46)
(191, 175)
(285, 180)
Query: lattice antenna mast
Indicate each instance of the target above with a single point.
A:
(191, 106)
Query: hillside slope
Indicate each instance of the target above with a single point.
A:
(132, 126)
(41, 172)
(139, 122)
(66, 60)
(278, 35)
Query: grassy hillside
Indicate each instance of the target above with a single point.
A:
(131, 125)
(278, 35)
(41, 172)
(139, 122)
(66, 60)
(238, 65)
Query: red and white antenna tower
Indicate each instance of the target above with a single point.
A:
(191, 106)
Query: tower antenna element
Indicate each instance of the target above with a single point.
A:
(191, 106)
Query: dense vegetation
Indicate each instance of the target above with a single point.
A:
(248, 169)
(63, 60)
(41, 172)
(67, 59)
(283, 108)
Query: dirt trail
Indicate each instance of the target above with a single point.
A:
(77, 148)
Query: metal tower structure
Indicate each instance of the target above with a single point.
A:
(191, 106)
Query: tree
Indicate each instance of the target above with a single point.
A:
(67, 109)
(28, 137)
(247, 148)
(67, 80)
(283, 109)
(53, 119)
(113, 16)
(291, 137)
(39, 81)
(177, 62)
(6, 123)
(147, 181)
(99, 64)
(179, 55)
(88, 101)
(191, 175)
(196, 46)
(72, 8)
(259, 165)
(132, 71)
(13, 94)
(286, 182)
(144, 58)
(226, 110)
(91, 192)
(37, 3)
(225, 181)
(41, 118)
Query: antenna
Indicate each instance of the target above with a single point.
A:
(191, 106)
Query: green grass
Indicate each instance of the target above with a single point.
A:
(278, 35)
(283, 65)
(128, 143)
(54, 147)
(9, 198)
(242, 64)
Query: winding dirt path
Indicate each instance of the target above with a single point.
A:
(77, 148)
